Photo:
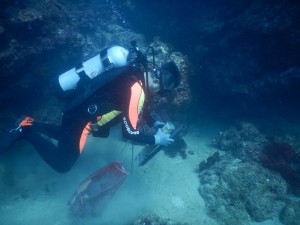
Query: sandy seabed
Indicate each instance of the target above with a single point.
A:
(32, 193)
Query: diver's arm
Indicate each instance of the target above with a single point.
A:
(134, 134)
(131, 116)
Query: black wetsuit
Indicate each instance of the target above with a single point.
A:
(118, 95)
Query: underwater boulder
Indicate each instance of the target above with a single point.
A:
(290, 214)
(237, 192)
(243, 141)
(153, 219)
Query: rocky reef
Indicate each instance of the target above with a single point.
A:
(252, 177)
(178, 100)
(237, 192)
(244, 53)
(152, 219)
(278, 151)
(242, 140)
(290, 213)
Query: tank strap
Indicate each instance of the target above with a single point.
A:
(105, 60)
(80, 71)
(108, 65)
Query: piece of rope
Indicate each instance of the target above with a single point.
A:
(131, 169)
(124, 149)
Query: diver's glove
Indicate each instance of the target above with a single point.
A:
(162, 138)
(158, 124)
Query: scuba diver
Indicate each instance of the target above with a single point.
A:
(104, 90)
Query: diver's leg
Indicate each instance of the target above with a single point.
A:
(9, 137)
(60, 157)
(45, 147)
(50, 130)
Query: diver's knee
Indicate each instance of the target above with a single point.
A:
(65, 166)
(63, 169)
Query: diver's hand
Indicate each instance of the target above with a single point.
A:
(162, 138)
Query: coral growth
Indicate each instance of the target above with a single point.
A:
(283, 158)
(290, 214)
(243, 141)
(152, 219)
(238, 193)
(278, 152)
(165, 53)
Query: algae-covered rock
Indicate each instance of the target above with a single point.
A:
(238, 193)
(153, 219)
(290, 214)
(243, 140)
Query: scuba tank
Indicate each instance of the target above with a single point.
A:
(107, 59)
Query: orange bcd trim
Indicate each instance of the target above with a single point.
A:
(84, 135)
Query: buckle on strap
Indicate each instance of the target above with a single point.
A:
(92, 109)
(106, 60)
